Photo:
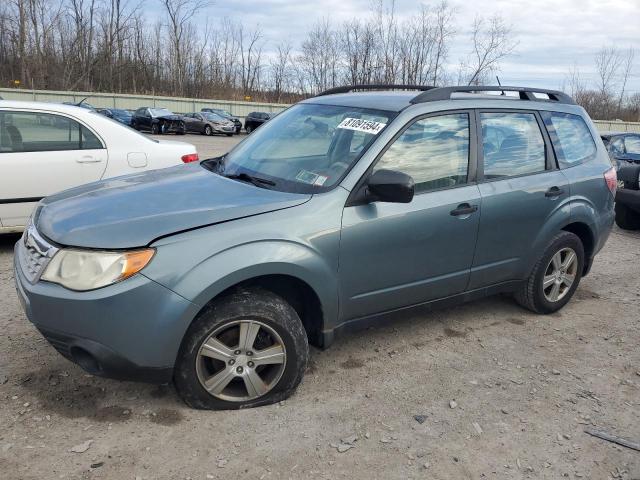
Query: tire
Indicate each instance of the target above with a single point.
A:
(277, 321)
(533, 295)
(207, 131)
(155, 130)
(229, 134)
(626, 218)
(248, 129)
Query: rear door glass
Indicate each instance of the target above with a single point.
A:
(512, 144)
(43, 132)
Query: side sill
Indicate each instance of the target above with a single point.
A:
(382, 318)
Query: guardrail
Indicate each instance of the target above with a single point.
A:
(133, 101)
(185, 105)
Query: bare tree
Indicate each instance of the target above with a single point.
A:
(627, 67)
(280, 70)
(180, 13)
(492, 41)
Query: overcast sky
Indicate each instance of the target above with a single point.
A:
(553, 35)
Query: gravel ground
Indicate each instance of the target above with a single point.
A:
(484, 390)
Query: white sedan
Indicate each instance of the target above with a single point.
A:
(46, 147)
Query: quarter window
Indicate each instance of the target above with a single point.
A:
(512, 144)
(571, 138)
(43, 132)
(434, 151)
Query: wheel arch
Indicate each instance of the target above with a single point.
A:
(296, 292)
(586, 235)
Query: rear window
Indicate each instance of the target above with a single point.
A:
(571, 138)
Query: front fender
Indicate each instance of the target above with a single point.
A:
(251, 260)
(223, 269)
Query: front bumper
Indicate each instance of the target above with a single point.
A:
(628, 197)
(224, 128)
(131, 330)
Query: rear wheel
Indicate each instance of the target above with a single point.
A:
(555, 276)
(244, 350)
(626, 218)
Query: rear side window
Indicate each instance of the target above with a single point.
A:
(43, 132)
(571, 138)
(512, 144)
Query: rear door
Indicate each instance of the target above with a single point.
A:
(521, 189)
(40, 154)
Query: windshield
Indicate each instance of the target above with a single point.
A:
(307, 148)
(160, 112)
(632, 145)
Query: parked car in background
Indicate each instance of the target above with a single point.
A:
(48, 147)
(623, 148)
(628, 196)
(158, 121)
(219, 274)
(208, 123)
(255, 119)
(224, 113)
(123, 116)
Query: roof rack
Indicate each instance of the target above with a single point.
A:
(351, 88)
(526, 93)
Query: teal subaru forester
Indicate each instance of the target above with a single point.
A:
(345, 209)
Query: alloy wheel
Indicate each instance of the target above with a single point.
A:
(241, 360)
(560, 274)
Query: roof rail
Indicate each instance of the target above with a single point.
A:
(350, 88)
(526, 93)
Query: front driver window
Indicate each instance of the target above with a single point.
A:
(434, 151)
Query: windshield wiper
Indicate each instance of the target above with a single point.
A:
(245, 177)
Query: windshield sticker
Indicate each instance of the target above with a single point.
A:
(311, 178)
(360, 125)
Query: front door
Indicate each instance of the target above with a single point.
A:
(394, 255)
(41, 154)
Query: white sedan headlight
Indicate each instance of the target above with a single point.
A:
(88, 270)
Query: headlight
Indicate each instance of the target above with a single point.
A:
(87, 270)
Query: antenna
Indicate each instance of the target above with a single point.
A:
(499, 84)
(82, 101)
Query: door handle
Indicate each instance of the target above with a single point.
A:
(464, 209)
(88, 159)
(553, 192)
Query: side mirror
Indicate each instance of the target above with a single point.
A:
(391, 186)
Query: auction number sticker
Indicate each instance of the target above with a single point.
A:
(360, 125)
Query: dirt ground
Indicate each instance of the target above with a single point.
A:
(523, 389)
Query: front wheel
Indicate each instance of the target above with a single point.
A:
(207, 131)
(248, 129)
(155, 129)
(555, 277)
(244, 350)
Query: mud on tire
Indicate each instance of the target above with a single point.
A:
(247, 304)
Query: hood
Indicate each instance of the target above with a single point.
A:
(133, 210)
(173, 118)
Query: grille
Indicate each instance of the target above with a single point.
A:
(34, 253)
